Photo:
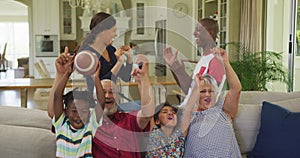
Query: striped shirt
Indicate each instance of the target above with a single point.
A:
(211, 135)
(72, 143)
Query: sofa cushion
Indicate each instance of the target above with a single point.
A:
(19, 116)
(247, 122)
(291, 104)
(257, 97)
(279, 133)
(26, 142)
(246, 126)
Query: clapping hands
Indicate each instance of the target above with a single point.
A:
(139, 73)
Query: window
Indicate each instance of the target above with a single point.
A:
(16, 34)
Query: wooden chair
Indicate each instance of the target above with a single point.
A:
(3, 60)
(42, 93)
(42, 69)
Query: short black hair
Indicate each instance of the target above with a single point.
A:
(76, 94)
(159, 107)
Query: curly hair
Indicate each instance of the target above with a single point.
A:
(75, 94)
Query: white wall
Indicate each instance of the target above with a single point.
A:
(180, 31)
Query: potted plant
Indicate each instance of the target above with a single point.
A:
(256, 69)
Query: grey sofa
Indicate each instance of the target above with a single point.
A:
(247, 122)
(26, 132)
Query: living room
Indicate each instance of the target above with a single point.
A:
(263, 36)
(268, 118)
(267, 28)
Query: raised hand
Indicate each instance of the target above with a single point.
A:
(169, 57)
(140, 74)
(221, 54)
(63, 63)
(119, 52)
(127, 52)
(197, 80)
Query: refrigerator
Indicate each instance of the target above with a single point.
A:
(160, 45)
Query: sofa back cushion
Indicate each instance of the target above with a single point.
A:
(18, 116)
(247, 122)
(246, 126)
(257, 97)
(279, 134)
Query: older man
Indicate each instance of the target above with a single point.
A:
(119, 134)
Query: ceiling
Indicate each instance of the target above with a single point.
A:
(12, 8)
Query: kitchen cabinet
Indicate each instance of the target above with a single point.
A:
(207, 8)
(227, 13)
(144, 16)
(46, 17)
(67, 21)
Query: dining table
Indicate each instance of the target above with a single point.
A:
(24, 84)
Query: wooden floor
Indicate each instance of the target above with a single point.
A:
(12, 98)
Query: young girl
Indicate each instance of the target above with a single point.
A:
(167, 137)
(75, 124)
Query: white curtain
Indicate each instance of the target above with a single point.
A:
(251, 35)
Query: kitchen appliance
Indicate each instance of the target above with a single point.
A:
(46, 46)
(160, 45)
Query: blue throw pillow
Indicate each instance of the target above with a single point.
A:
(279, 133)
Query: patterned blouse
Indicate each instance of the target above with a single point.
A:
(162, 146)
(211, 135)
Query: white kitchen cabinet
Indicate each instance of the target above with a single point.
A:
(67, 21)
(228, 14)
(46, 17)
(143, 20)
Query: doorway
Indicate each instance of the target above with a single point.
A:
(283, 35)
(296, 59)
(14, 28)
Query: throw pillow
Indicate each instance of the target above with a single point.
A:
(279, 134)
(246, 126)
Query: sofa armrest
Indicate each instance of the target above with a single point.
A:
(26, 142)
(19, 116)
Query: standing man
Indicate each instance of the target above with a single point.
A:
(205, 34)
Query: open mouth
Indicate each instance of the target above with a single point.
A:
(78, 121)
(109, 102)
(208, 100)
(170, 117)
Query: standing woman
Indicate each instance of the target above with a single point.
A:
(99, 40)
(211, 131)
(103, 31)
